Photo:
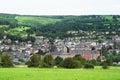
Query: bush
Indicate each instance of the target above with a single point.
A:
(71, 63)
(89, 66)
(105, 67)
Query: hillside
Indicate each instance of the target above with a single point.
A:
(55, 26)
(35, 21)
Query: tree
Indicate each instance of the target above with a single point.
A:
(71, 63)
(6, 61)
(104, 51)
(34, 61)
(48, 61)
(58, 60)
(80, 58)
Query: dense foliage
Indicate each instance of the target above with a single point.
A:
(6, 61)
(34, 61)
(80, 59)
(58, 61)
(71, 63)
(89, 66)
(48, 61)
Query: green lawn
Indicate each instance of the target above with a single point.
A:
(59, 74)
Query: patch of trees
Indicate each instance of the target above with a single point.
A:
(80, 23)
(36, 61)
(20, 39)
(48, 62)
(8, 20)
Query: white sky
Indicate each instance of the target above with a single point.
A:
(60, 7)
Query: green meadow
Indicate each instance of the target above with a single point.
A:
(27, 20)
(59, 74)
(18, 31)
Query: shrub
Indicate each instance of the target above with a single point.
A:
(89, 66)
(105, 67)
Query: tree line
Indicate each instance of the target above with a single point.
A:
(47, 61)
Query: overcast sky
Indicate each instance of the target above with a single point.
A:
(60, 7)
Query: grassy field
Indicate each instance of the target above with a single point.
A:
(59, 74)
(18, 31)
(35, 20)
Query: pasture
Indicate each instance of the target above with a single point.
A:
(35, 20)
(18, 31)
(59, 74)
